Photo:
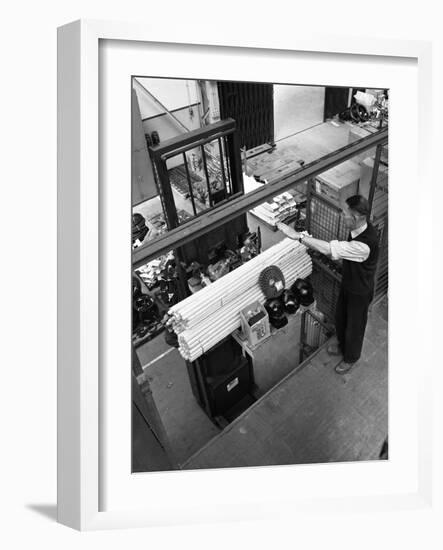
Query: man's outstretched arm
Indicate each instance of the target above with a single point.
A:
(316, 244)
(353, 251)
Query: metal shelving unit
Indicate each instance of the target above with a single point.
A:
(314, 332)
(324, 222)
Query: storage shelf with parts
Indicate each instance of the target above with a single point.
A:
(243, 306)
(287, 207)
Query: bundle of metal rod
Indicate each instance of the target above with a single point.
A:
(228, 288)
(211, 314)
(222, 327)
(232, 310)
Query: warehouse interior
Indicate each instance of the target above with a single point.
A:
(231, 320)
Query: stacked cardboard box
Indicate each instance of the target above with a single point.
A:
(339, 183)
(277, 209)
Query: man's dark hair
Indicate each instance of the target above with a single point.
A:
(359, 204)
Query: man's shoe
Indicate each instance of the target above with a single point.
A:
(343, 368)
(334, 349)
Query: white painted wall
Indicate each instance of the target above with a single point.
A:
(296, 108)
(176, 95)
(172, 93)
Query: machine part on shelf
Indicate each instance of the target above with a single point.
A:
(195, 284)
(276, 312)
(234, 259)
(145, 316)
(356, 113)
(290, 301)
(168, 291)
(136, 286)
(217, 270)
(303, 291)
(217, 252)
(154, 271)
(206, 281)
(258, 241)
(359, 113)
(205, 318)
(145, 331)
(345, 115)
(136, 293)
(155, 138)
(146, 308)
(272, 281)
(365, 99)
(280, 322)
(170, 337)
(148, 140)
(139, 229)
(251, 246)
(274, 307)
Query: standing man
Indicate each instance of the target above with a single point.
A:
(359, 255)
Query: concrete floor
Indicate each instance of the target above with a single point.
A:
(187, 426)
(313, 415)
(313, 143)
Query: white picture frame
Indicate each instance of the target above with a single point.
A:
(81, 440)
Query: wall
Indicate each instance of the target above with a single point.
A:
(175, 95)
(142, 175)
(172, 93)
(296, 108)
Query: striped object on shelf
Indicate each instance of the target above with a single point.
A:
(205, 318)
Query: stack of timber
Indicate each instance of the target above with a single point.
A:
(205, 318)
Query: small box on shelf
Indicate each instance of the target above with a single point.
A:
(255, 323)
(339, 183)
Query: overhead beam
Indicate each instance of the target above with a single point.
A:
(176, 144)
(230, 210)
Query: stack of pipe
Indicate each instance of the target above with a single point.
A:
(211, 314)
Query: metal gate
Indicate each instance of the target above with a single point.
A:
(324, 221)
(251, 105)
(314, 332)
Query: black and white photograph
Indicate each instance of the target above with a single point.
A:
(227, 220)
(259, 274)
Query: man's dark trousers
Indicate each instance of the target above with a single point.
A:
(350, 323)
